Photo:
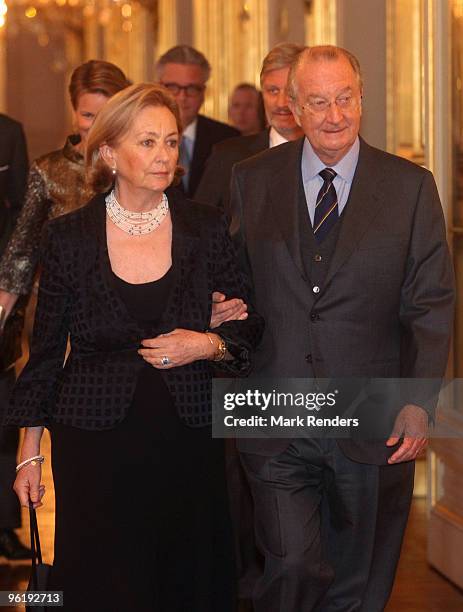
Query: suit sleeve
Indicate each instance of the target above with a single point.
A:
(427, 301)
(19, 261)
(242, 337)
(17, 178)
(33, 395)
(211, 186)
(237, 224)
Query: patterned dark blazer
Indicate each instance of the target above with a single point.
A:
(96, 385)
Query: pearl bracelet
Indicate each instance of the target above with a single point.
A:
(31, 461)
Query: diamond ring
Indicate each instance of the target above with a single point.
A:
(165, 361)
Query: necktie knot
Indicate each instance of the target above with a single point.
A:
(327, 174)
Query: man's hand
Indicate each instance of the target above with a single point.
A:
(226, 310)
(411, 424)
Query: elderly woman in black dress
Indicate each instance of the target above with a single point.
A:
(141, 512)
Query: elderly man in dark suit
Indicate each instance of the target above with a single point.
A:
(214, 187)
(13, 178)
(347, 249)
(185, 72)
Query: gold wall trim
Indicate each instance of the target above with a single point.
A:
(166, 26)
(448, 515)
(233, 35)
(321, 23)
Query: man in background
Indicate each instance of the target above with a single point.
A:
(13, 178)
(246, 109)
(214, 187)
(184, 71)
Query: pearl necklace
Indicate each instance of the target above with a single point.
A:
(136, 223)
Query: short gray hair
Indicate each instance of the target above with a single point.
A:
(281, 56)
(321, 52)
(184, 54)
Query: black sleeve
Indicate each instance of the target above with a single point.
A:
(242, 337)
(34, 391)
(214, 186)
(17, 178)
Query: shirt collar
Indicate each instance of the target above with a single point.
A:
(345, 168)
(275, 138)
(190, 130)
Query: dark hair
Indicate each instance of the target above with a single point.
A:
(96, 76)
(114, 121)
(184, 54)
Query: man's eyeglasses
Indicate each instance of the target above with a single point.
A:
(191, 91)
(320, 105)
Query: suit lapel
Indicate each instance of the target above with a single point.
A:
(185, 244)
(105, 292)
(260, 143)
(284, 191)
(362, 206)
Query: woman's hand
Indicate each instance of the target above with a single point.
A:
(27, 485)
(178, 348)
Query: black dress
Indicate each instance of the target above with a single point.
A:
(141, 510)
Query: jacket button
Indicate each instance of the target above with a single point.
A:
(317, 258)
(308, 358)
(316, 289)
(314, 316)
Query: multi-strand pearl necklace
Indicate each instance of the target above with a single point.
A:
(136, 223)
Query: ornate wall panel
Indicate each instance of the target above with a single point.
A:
(320, 22)
(405, 74)
(123, 34)
(233, 36)
(167, 31)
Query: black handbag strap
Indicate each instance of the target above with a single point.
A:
(36, 551)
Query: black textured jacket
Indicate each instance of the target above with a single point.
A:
(96, 385)
(13, 177)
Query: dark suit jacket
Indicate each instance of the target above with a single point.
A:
(95, 388)
(386, 307)
(214, 187)
(13, 179)
(13, 175)
(208, 133)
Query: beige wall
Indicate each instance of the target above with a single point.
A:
(36, 90)
(362, 30)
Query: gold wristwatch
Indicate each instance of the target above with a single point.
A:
(221, 350)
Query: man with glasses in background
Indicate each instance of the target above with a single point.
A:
(214, 187)
(347, 249)
(185, 72)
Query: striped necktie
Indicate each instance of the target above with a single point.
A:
(326, 208)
